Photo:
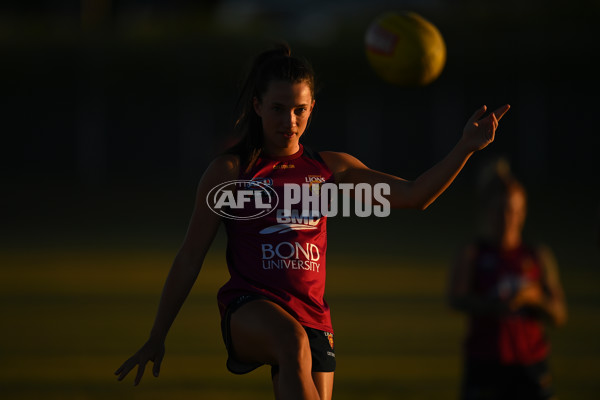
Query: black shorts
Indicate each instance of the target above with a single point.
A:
(321, 343)
(485, 380)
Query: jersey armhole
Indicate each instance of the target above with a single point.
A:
(313, 154)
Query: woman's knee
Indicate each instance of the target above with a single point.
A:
(288, 338)
(264, 331)
(294, 347)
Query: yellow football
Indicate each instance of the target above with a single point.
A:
(405, 49)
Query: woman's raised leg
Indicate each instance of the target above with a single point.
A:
(263, 331)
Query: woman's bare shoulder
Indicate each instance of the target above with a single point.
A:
(338, 162)
(223, 167)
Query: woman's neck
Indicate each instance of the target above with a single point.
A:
(507, 240)
(511, 241)
(281, 152)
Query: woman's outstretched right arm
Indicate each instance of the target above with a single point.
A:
(184, 271)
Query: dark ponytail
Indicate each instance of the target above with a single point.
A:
(496, 180)
(273, 64)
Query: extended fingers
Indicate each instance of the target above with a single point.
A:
(498, 113)
(157, 362)
(494, 121)
(140, 373)
(501, 111)
(128, 365)
(477, 115)
(492, 131)
(124, 369)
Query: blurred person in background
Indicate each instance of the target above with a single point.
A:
(509, 289)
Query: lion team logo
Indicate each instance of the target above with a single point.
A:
(330, 337)
(314, 183)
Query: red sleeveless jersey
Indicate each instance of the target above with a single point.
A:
(512, 338)
(281, 255)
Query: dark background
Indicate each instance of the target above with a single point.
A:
(111, 108)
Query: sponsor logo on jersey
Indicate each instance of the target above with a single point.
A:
(291, 256)
(283, 165)
(509, 286)
(259, 179)
(293, 220)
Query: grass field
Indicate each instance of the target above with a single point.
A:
(73, 311)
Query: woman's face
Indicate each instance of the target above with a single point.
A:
(284, 110)
(515, 210)
(509, 212)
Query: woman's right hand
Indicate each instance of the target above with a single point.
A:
(480, 132)
(530, 295)
(150, 351)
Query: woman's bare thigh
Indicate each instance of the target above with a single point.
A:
(260, 330)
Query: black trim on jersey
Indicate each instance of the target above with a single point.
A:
(313, 154)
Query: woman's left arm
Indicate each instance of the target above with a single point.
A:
(546, 296)
(554, 305)
(420, 193)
